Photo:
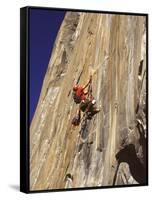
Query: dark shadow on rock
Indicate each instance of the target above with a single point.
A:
(137, 164)
(84, 129)
(137, 169)
(142, 140)
(140, 68)
(15, 187)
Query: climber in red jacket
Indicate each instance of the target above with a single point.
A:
(86, 101)
(79, 93)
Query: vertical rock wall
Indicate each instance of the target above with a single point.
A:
(113, 48)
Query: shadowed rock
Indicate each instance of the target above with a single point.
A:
(137, 169)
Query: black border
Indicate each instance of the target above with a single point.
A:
(24, 130)
(24, 98)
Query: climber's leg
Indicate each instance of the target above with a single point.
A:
(83, 105)
(92, 113)
(76, 120)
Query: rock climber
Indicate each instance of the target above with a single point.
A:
(87, 106)
(79, 92)
(86, 101)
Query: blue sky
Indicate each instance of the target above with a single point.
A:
(44, 26)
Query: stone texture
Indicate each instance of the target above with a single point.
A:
(113, 48)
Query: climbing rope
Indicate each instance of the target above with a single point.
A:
(89, 96)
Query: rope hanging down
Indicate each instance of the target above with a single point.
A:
(89, 96)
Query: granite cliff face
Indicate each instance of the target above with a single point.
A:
(113, 48)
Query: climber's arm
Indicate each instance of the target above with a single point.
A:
(87, 83)
(85, 93)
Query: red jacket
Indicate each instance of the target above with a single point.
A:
(80, 92)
